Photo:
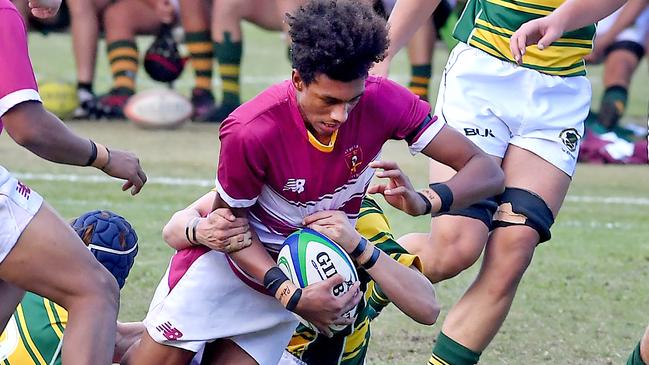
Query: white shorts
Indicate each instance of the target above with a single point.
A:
(201, 299)
(496, 103)
(18, 205)
(637, 33)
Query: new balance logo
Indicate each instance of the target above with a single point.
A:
(23, 190)
(171, 333)
(295, 185)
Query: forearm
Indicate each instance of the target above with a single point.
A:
(406, 17)
(480, 178)
(174, 233)
(574, 14)
(42, 133)
(417, 299)
(254, 259)
(626, 17)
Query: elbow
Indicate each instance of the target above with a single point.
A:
(495, 183)
(25, 137)
(168, 233)
(429, 313)
(498, 181)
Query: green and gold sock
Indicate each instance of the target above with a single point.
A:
(123, 59)
(449, 352)
(635, 358)
(229, 55)
(201, 56)
(613, 106)
(419, 80)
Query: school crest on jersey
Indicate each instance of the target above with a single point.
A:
(354, 159)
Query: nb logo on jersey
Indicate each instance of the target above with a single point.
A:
(295, 185)
(477, 132)
(171, 333)
(23, 190)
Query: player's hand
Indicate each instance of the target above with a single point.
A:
(125, 165)
(398, 191)
(222, 231)
(320, 307)
(165, 11)
(335, 225)
(542, 31)
(44, 8)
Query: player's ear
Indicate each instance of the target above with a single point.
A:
(296, 78)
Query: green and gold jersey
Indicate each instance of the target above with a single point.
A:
(349, 347)
(33, 335)
(488, 25)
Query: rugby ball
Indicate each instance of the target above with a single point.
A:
(60, 98)
(158, 109)
(308, 257)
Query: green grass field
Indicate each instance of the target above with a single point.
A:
(583, 301)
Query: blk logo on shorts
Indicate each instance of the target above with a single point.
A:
(171, 333)
(23, 190)
(477, 132)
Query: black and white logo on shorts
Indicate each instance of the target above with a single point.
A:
(570, 137)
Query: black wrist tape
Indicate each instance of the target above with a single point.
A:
(273, 279)
(445, 196)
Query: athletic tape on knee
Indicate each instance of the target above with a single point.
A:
(523, 207)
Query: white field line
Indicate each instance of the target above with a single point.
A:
(172, 181)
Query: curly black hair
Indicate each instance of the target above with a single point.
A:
(339, 38)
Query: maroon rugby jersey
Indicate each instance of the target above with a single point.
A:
(271, 163)
(17, 82)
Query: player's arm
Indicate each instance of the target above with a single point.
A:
(625, 19)
(406, 17)
(571, 15)
(30, 125)
(42, 133)
(315, 303)
(478, 175)
(199, 224)
(417, 299)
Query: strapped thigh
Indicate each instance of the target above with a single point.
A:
(520, 207)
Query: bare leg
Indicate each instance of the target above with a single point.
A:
(477, 317)
(228, 14)
(223, 352)
(149, 352)
(63, 270)
(447, 250)
(84, 16)
(127, 18)
(619, 68)
(10, 297)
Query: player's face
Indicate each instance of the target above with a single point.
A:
(325, 104)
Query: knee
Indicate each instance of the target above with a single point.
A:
(508, 255)
(456, 250)
(100, 288)
(82, 8)
(231, 9)
(117, 17)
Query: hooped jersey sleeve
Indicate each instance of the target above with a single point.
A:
(242, 165)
